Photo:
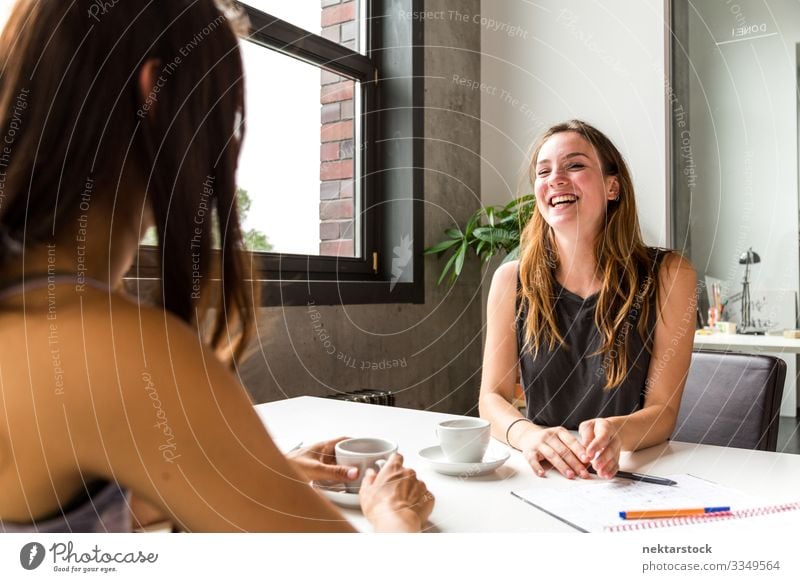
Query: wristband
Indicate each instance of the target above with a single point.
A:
(508, 431)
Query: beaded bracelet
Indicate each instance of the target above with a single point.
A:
(508, 431)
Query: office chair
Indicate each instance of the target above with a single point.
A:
(732, 400)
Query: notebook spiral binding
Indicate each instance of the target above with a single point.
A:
(714, 517)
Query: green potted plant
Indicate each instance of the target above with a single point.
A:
(491, 230)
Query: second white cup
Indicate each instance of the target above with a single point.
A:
(464, 440)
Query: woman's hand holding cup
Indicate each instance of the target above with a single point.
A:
(317, 462)
(393, 499)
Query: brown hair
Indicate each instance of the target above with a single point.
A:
(624, 263)
(71, 100)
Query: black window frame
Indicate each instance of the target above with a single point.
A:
(291, 279)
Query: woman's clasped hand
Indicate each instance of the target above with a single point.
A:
(596, 445)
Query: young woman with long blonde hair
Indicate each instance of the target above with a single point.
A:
(598, 325)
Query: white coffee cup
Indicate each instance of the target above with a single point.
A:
(464, 440)
(364, 453)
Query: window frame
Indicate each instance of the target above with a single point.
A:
(272, 33)
(292, 279)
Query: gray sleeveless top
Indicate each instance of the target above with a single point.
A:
(103, 506)
(564, 387)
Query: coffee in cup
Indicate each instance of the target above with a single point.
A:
(364, 453)
(464, 440)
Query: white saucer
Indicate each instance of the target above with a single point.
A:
(493, 459)
(337, 493)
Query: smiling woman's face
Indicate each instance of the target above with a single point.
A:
(571, 191)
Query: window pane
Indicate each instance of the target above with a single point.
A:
(5, 11)
(336, 20)
(297, 164)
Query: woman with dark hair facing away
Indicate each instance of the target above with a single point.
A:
(598, 326)
(113, 121)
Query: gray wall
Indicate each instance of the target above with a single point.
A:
(744, 141)
(548, 61)
(428, 354)
(599, 61)
(742, 149)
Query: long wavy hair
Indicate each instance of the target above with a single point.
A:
(70, 98)
(625, 266)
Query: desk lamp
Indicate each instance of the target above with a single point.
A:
(749, 257)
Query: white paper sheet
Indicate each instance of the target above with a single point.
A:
(594, 505)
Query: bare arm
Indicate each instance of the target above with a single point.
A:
(555, 445)
(601, 439)
(500, 360)
(181, 432)
(669, 363)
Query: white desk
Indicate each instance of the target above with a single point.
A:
(485, 504)
(744, 343)
(776, 345)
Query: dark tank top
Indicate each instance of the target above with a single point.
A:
(565, 386)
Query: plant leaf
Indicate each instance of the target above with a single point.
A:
(492, 234)
(473, 221)
(441, 247)
(447, 268)
(461, 254)
(525, 200)
(454, 233)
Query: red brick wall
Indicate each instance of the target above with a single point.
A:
(336, 137)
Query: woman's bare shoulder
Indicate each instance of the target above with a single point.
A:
(506, 274)
(676, 269)
(503, 291)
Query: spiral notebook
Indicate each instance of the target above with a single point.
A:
(594, 505)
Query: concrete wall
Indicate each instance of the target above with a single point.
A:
(428, 354)
(553, 60)
(548, 61)
(742, 149)
(743, 97)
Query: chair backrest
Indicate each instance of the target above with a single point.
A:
(732, 400)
